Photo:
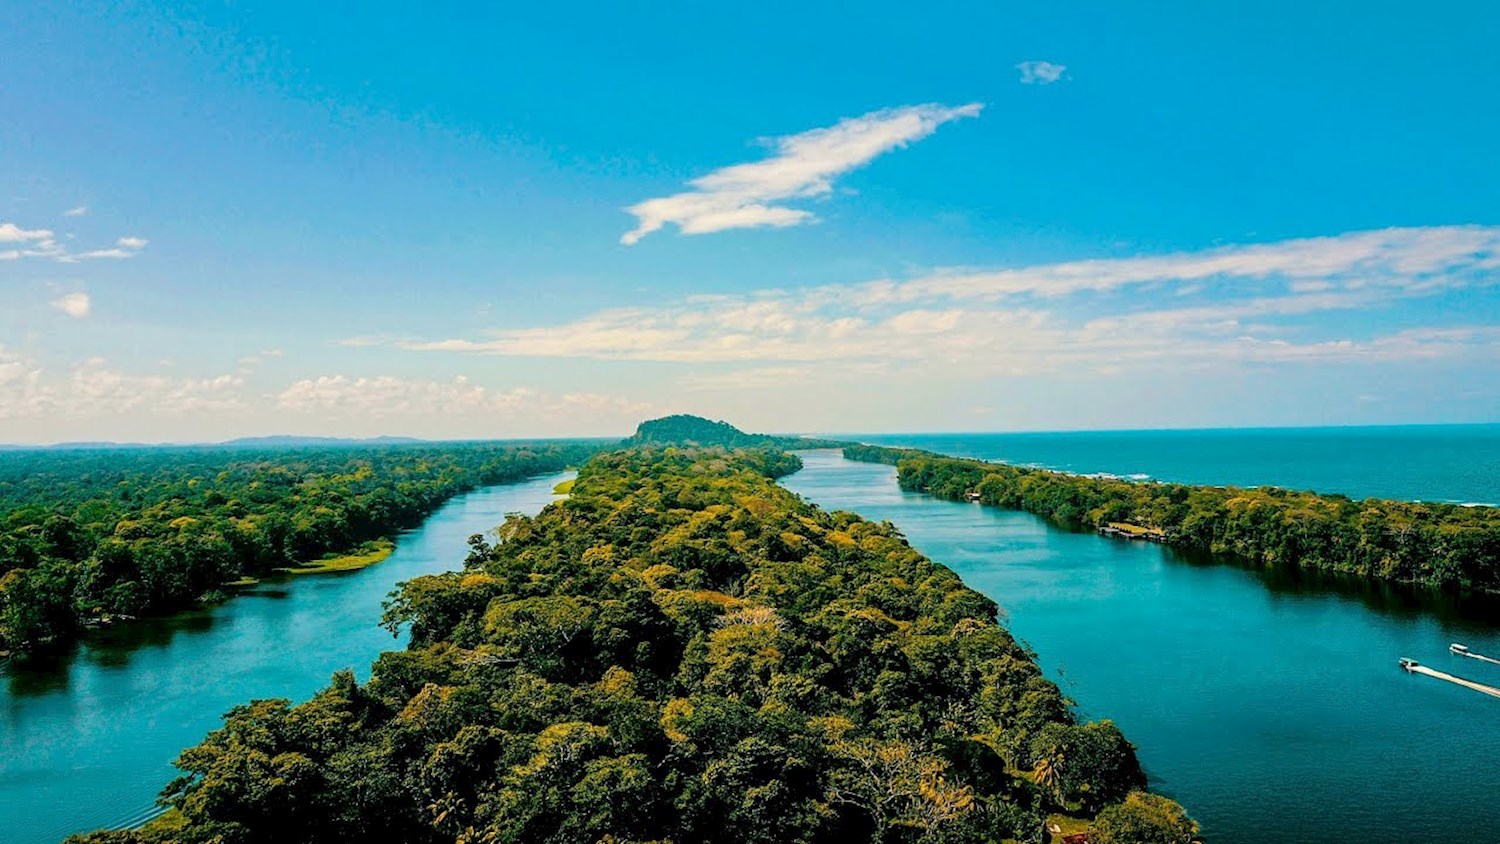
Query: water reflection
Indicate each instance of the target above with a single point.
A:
(1465, 609)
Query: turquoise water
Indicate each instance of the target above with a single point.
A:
(88, 741)
(1269, 704)
(1455, 463)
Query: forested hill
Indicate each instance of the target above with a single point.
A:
(680, 651)
(684, 429)
(90, 536)
(1445, 545)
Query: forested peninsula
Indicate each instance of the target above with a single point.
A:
(89, 536)
(680, 651)
(1442, 545)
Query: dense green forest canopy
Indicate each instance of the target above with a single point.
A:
(680, 651)
(683, 429)
(90, 535)
(1446, 545)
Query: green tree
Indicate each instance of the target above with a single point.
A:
(1144, 818)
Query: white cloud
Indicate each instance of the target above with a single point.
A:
(1400, 257)
(803, 166)
(94, 390)
(390, 396)
(1243, 303)
(98, 400)
(100, 253)
(363, 341)
(385, 395)
(12, 233)
(76, 212)
(75, 305)
(1040, 73)
(249, 361)
(22, 390)
(43, 243)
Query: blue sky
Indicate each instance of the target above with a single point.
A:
(223, 219)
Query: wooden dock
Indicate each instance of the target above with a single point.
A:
(1468, 684)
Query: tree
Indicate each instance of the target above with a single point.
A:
(1144, 818)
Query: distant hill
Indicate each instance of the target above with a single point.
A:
(685, 429)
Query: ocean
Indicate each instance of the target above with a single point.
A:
(1449, 463)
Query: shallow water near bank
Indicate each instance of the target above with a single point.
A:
(87, 739)
(1270, 705)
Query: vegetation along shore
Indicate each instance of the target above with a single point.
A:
(1449, 546)
(93, 536)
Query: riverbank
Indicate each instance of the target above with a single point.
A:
(93, 537)
(1243, 687)
(88, 735)
(1449, 546)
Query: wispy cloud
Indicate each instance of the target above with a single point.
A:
(391, 396)
(96, 398)
(76, 212)
(75, 305)
(43, 243)
(249, 361)
(125, 247)
(363, 341)
(1040, 73)
(12, 233)
(802, 166)
(1232, 304)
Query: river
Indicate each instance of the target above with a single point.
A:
(1269, 704)
(87, 740)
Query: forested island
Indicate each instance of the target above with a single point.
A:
(681, 650)
(89, 536)
(1448, 546)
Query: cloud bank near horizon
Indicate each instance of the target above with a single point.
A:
(1228, 305)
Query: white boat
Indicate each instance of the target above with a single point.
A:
(1459, 649)
(1408, 663)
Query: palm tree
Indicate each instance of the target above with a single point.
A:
(1048, 774)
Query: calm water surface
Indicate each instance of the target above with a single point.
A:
(88, 741)
(1454, 463)
(1270, 706)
